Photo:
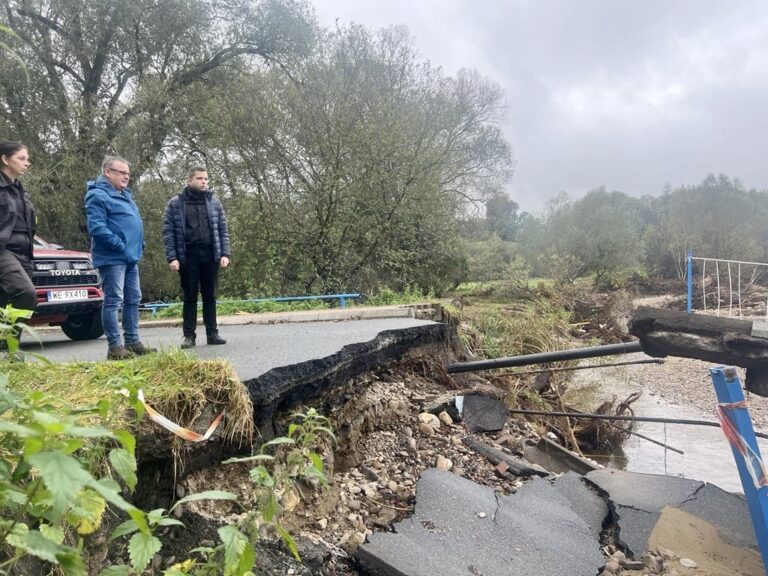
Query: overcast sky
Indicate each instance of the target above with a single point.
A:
(626, 94)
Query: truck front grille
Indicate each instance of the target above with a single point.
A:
(81, 280)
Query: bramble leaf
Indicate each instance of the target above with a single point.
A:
(63, 476)
(125, 466)
(142, 547)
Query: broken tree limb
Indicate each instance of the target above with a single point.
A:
(517, 466)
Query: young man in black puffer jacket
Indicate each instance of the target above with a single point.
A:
(196, 238)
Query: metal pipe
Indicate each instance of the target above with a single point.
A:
(546, 357)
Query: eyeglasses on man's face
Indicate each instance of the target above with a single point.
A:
(123, 172)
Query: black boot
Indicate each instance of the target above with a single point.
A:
(215, 339)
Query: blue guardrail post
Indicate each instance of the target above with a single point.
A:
(728, 390)
(689, 278)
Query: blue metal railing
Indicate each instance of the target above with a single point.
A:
(154, 307)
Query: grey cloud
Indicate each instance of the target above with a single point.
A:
(630, 95)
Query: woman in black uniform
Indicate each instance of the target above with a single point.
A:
(17, 229)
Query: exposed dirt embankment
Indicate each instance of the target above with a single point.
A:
(384, 444)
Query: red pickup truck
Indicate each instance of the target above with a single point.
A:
(68, 291)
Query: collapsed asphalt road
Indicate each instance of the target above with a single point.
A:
(554, 526)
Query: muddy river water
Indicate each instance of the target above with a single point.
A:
(667, 394)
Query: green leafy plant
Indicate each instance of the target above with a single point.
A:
(409, 295)
(143, 544)
(273, 478)
(59, 471)
(50, 498)
(11, 326)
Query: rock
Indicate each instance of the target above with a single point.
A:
(178, 511)
(633, 565)
(354, 489)
(426, 429)
(443, 463)
(322, 523)
(180, 491)
(392, 485)
(355, 519)
(369, 473)
(430, 419)
(481, 514)
(385, 518)
(612, 566)
(370, 492)
(354, 504)
(688, 563)
(351, 541)
(445, 418)
(291, 499)
(654, 564)
(619, 556)
(207, 543)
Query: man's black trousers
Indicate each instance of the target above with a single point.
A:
(199, 273)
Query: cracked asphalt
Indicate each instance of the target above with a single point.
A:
(251, 349)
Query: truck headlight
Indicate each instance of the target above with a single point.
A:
(45, 266)
(82, 265)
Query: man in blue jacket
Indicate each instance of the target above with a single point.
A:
(196, 238)
(117, 243)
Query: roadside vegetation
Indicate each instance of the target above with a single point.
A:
(69, 462)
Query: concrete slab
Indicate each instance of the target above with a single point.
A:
(461, 528)
(649, 492)
(726, 511)
(638, 499)
(482, 413)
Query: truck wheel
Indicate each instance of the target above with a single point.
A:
(84, 326)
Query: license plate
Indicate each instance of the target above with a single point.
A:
(62, 295)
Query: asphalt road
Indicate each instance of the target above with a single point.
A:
(251, 349)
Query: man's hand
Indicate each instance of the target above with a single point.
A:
(224, 262)
(174, 264)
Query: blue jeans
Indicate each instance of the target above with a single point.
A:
(120, 283)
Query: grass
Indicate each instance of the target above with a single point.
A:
(387, 297)
(176, 384)
(496, 330)
(229, 307)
